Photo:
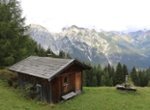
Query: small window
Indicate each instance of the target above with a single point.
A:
(38, 88)
(66, 80)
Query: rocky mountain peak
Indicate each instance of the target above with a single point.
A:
(97, 47)
(38, 27)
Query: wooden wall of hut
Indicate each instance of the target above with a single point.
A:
(53, 90)
(59, 87)
(44, 93)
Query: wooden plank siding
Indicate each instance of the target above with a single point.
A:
(56, 90)
(24, 79)
(74, 74)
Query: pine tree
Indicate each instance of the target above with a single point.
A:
(11, 31)
(119, 76)
(134, 76)
(142, 78)
(125, 70)
(15, 45)
(98, 74)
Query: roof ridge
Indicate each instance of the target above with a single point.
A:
(52, 57)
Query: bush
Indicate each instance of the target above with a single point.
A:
(29, 91)
(10, 77)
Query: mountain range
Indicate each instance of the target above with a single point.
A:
(97, 47)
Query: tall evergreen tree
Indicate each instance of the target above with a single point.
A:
(143, 79)
(98, 75)
(125, 70)
(14, 43)
(119, 76)
(134, 76)
(11, 31)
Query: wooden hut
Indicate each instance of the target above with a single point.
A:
(55, 79)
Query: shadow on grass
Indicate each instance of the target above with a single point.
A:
(126, 92)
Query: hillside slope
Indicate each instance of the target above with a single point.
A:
(100, 98)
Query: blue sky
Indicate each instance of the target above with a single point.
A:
(109, 15)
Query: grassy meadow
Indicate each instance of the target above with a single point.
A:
(93, 98)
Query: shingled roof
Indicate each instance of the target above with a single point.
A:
(43, 67)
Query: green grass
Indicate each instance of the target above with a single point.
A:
(100, 98)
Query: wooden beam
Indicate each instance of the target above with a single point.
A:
(50, 87)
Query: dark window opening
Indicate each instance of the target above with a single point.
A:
(66, 80)
(39, 91)
(38, 88)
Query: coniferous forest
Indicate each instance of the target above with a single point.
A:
(16, 45)
(111, 76)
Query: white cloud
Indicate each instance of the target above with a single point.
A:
(104, 14)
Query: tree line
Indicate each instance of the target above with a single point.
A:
(140, 77)
(111, 76)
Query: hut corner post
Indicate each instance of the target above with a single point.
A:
(50, 91)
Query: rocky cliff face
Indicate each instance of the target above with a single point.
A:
(97, 47)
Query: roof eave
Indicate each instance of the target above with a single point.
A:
(28, 74)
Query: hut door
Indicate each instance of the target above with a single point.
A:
(65, 84)
(78, 81)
